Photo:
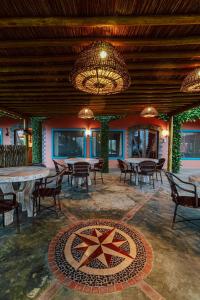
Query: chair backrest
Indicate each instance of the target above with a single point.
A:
(160, 163)
(56, 180)
(100, 164)
(147, 166)
(56, 167)
(177, 186)
(81, 168)
(122, 165)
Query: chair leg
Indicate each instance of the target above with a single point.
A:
(3, 219)
(161, 176)
(87, 184)
(59, 205)
(153, 182)
(124, 177)
(102, 177)
(95, 174)
(174, 217)
(17, 218)
(120, 177)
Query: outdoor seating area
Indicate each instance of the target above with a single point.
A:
(99, 150)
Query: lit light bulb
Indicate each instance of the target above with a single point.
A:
(103, 54)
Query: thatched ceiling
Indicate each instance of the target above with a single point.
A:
(40, 40)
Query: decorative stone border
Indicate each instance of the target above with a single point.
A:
(114, 287)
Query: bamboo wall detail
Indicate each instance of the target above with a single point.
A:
(12, 155)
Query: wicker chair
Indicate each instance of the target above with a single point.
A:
(159, 168)
(125, 169)
(7, 205)
(98, 168)
(81, 170)
(49, 187)
(190, 199)
(61, 167)
(147, 168)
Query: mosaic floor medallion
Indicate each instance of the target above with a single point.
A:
(99, 256)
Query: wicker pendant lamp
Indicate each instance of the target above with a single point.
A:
(100, 70)
(149, 112)
(191, 83)
(86, 113)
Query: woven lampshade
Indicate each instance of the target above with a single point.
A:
(149, 112)
(100, 70)
(86, 113)
(191, 83)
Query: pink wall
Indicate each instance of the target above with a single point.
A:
(74, 122)
(7, 123)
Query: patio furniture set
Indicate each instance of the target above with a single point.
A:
(143, 169)
(28, 185)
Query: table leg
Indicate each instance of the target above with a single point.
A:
(8, 216)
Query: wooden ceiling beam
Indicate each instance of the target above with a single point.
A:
(101, 21)
(127, 55)
(116, 41)
(131, 66)
(54, 80)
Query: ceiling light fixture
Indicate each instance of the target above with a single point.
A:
(100, 70)
(149, 112)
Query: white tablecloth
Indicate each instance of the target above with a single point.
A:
(137, 160)
(26, 176)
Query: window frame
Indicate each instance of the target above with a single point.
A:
(188, 131)
(68, 129)
(110, 130)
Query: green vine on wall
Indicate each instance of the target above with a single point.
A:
(187, 116)
(104, 120)
(36, 123)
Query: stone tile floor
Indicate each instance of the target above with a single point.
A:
(24, 271)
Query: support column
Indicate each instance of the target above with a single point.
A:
(36, 139)
(170, 144)
(104, 120)
(25, 125)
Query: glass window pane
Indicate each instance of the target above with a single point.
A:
(1, 136)
(68, 143)
(190, 144)
(144, 143)
(115, 144)
(96, 144)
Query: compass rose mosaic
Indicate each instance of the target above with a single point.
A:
(99, 256)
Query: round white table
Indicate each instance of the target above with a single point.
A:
(72, 161)
(137, 160)
(195, 179)
(26, 176)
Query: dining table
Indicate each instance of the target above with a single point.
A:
(72, 161)
(135, 162)
(25, 178)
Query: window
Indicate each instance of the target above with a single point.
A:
(1, 136)
(143, 143)
(190, 144)
(115, 143)
(68, 143)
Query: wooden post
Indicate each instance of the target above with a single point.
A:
(26, 138)
(170, 144)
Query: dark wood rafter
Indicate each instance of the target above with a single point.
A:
(125, 42)
(102, 21)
